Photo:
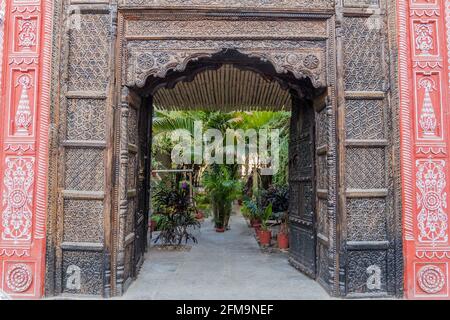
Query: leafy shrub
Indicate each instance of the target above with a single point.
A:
(278, 197)
(174, 213)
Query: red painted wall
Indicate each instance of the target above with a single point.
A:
(425, 121)
(24, 124)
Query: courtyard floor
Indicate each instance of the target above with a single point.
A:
(225, 266)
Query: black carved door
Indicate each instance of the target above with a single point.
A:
(143, 183)
(301, 187)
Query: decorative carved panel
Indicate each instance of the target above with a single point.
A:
(367, 220)
(89, 53)
(365, 119)
(25, 41)
(82, 272)
(424, 29)
(367, 272)
(90, 214)
(366, 168)
(86, 119)
(264, 4)
(372, 248)
(363, 55)
(304, 59)
(84, 169)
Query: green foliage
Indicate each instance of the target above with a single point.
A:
(174, 213)
(221, 180)
(281, 177)
(223, 188)
(266, 215)
(278, 196)
(251, 208)
(256, 211)
(203, 203)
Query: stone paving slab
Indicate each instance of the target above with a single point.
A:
(227, 266)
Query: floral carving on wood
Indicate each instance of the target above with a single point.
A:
(323, 4)
(156, 58)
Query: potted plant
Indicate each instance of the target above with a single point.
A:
(175, 218)
(265, 234)
(252, 211)
(283, 234)
(223, 190)
(199, 215)
(153, 223)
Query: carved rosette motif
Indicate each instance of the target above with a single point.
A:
(431, 279)
(19, 277)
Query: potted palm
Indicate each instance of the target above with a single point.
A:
(265, 234)
(223, 190)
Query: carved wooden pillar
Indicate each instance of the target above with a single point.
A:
(83, 115)
(424, 112)
(24, 123)
(366, 224)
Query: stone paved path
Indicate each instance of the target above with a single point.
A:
(222, 266)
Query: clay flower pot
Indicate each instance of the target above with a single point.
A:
(199, 215)
(220, 230)
(283, 241)
(264, 237)
(255, 223)
(153, 225)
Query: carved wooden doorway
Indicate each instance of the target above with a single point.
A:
(308, 46)
(302, 212)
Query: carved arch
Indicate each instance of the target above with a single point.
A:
(287, 81)
(158, 59)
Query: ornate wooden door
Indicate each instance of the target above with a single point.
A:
(143, 185)
(137, 188)
(302, 185)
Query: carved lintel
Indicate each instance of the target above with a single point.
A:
(157, 58)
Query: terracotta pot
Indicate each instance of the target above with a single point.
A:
(264, 237)
(152, 225)
(220, 230)
(283, 241)
(199, 215)
(255, 223)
